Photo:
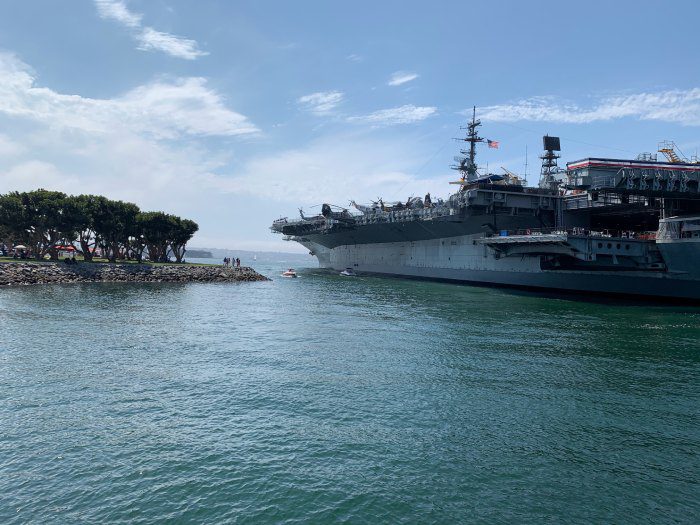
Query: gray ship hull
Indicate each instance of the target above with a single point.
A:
(466, 259)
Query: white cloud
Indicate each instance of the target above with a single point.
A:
(184, 106)
(401, 77)
(33, 174)
(321, 103)
(677, 106)
(401, 115)
(9, 147)
(354, 58)
(117, 10)
(333, 169)
(120, 165)
(148, 38)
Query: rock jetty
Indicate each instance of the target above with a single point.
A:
(25, 273)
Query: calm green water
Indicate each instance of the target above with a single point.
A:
(328, 399)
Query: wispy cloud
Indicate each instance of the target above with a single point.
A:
(401, 77)
(677, 106)
(162, 109)
(354, 58)
(152, 40)
(148, 38)
(9, 147)
(363, 165)
(400, 115)
(117, 10)
(321, 103)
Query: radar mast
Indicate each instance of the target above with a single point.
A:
(549, 162)
(467, 160)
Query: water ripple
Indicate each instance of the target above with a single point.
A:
(326, 400)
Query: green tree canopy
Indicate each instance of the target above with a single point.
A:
(47, 220)
(41, 219)
(114, 222)
(181, 232)
(156, 229)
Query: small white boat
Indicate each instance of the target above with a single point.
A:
(348, 272)
(290, 273)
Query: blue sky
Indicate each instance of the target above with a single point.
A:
(235, 113)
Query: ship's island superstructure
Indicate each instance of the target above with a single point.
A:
(600, 225)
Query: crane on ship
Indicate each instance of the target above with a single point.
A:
(673, 153)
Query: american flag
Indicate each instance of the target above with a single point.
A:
(493, 143)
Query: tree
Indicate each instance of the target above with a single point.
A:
(85, 209)
(14, 225)
(182, 231)
(156, 227)
(46, 220)
(41, 220)
(114, 221)
(137, 239)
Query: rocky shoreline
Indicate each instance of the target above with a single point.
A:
(27, 273)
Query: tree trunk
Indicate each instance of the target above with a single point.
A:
(113, 252)
(39, 248)
(85, 248)
(178, 251)
(84, 240)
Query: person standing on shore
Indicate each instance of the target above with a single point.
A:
(238, 262)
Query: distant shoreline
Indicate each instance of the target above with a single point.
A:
(30, 273)
(199, 254)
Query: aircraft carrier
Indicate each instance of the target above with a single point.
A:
(599, 225)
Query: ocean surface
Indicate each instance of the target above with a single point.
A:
(326, 399)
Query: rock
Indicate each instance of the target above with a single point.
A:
(23, 273)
